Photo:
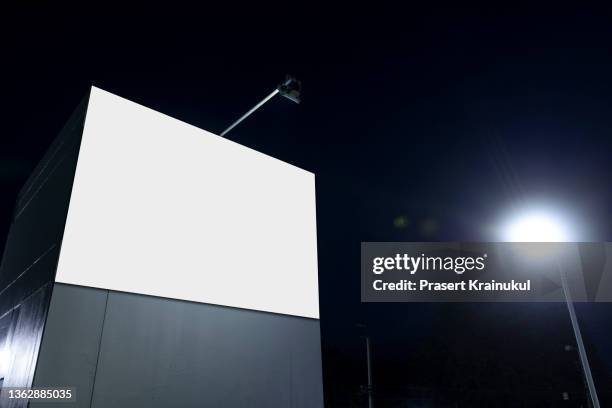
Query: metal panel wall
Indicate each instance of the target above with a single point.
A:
(157, 352)
(30, 257)
(69, 350)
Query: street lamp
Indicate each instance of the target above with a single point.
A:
(536, 226)
(290, 88)
(542, 226)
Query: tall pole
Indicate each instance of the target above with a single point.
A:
(586, 368)
(369, 360)
(253, 109)
(289, 88)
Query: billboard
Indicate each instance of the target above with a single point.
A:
(163, 208)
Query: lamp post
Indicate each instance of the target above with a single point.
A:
(586, 368)
(542, 227)
(369, 356)
(290, 88)
(366, 337)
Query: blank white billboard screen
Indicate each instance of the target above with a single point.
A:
(162, 208)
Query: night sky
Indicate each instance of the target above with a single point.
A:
(420, 125)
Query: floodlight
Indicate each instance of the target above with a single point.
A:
(291, 89)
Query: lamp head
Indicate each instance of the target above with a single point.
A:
(536, 226)
(291, 89)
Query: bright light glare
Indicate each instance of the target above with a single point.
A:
(536, 227)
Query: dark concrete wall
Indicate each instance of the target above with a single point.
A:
(155, 352)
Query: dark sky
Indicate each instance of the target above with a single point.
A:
(446, 117)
